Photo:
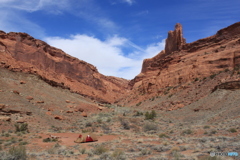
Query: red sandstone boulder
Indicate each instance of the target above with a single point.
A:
(67, 101)
(40, 102)
(22, 82)
(16, 92)
(29, 98)
(5, 118)
(58, 118)
(84, 114)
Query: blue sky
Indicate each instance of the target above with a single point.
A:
(115, 35)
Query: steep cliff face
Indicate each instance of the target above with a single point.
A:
(21, 52)
(181, 63)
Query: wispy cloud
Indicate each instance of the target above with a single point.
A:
(142, 13)
(107, 55)
(130, 2)
(14, 21)
(85, 9)
(35, 5)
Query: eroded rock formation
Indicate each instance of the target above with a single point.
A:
(182, 62)
(175, 40)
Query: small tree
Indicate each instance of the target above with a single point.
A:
(21, 127)
(150, 115)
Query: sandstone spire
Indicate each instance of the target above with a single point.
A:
(175, 40)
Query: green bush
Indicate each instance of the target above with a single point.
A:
(138, 104)
(7, 135)
(18, 152)
(206, 127)
(163, 135)
(212, 76)
(49, 140)
(150, 115)
(23, 143)
(188, 131)
(138, 113)
(21, 127)
(232, 130)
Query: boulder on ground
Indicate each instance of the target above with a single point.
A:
(16, 92)
(84, 114)
(58, 117)
(22, 82)
(29, 98)
(5, 118)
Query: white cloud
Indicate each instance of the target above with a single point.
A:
(106, 55)
(129, 1)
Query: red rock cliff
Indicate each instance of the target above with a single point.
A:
(21, 52)
(181, 63)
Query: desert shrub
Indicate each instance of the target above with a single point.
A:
(187, 131)
(105, 156)
(232, 130)
(163, 135)
(212, 76)
(23, 143)
(86, 130)
(21, 127)
(109, 119)
(145, 152)
(47, 140)
(83, 151)
(150, 115)
(7, 135)
(18, 152)
(138, 113)
(150, 127)
(50, 140)
(138, 104)
(100, 150)
(106, 128)
(124, 123)
(206, 127)
(177, 155)
(118, 155)
(213, 132)
(88, 124)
